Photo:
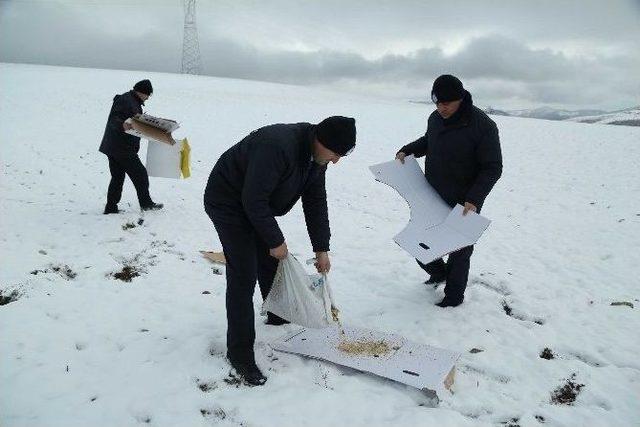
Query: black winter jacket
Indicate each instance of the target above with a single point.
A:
(263, 176)
(115, 141)
(463, 159)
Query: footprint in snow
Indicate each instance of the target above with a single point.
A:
(519, 316)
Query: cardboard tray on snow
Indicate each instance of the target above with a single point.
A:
(424, 367)
(152, 128)
(216, 257)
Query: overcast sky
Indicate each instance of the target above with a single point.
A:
(509, 54)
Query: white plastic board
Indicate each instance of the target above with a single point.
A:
(163, 160)
(434, 229)
(427, 368)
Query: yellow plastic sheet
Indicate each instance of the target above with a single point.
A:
(185, 159)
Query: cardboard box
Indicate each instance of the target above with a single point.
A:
(216, 257)
(152, 128)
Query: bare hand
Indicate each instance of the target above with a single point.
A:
(280, 252)
(323, 264)
(469, 207)
(400, 156)
(127, 126)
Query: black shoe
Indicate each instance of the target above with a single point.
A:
(248, 371)
(275, 320)
(435, 280)
(111, 209)
(448, 303)
(153, 207)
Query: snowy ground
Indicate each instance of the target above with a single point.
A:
(91, 350)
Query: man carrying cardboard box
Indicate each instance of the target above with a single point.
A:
(122, 149)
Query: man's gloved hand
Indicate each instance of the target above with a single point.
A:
(323, 264)
(280, 252)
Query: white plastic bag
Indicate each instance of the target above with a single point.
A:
(299, 297)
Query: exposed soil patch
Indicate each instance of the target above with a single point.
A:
(137, 265)
(513, 422)
(129, 225)
(217, 413)
(567, 393)
(507, 309)
(161, 243)
(63, 271)
(7, 297)
(547, 354)
(127, 273)
(627, 303)
(206, 387)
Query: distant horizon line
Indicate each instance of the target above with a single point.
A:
(416, 101)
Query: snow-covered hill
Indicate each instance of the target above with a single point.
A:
(556, 270)
(627, 117)
(549, 113)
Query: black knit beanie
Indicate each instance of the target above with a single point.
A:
(338, 134)
(143, 86)
(447, 88)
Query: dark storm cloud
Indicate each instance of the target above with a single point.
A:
(501, 52)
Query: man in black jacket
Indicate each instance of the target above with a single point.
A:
(259, 178)
(463, 162)
(122, 148)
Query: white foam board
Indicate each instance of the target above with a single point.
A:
(427, 368)
(163, 160)
(434, 229)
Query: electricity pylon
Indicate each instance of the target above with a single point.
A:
(190, 47)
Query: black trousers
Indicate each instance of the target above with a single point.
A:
(133, 167)
(247, 259)
(456, 271)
